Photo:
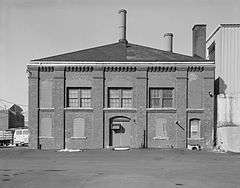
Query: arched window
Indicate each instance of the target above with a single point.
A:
(46, 127)
(194, 129)
(79, 128)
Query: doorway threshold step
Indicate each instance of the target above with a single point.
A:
(121, 148)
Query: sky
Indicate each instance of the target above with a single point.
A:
(31, 29)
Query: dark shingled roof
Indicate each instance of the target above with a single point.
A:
(121, 51)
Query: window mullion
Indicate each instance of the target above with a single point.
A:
(161, 97)
(79, 97)
(121, 98)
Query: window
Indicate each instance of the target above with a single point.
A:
(161, 97)
(161, 129)
(194, 129)
(120, 98)
(79, 128)
(46, 127)
(79, 97)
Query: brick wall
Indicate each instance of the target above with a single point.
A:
(191, 100)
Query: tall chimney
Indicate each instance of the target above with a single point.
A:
(199, 40)
(122, 25)
(168, 42)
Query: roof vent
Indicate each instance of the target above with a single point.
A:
(122, 26)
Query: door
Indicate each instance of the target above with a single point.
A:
(121, 133)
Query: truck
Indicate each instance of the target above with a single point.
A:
(20, 137)
(6, 137)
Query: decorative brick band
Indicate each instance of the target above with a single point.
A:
(120, 69)
(46, 69)
(162, 69)
(79, 69)
(195, 68)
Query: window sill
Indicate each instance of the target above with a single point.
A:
(50, 137)
(166, 110)
(78, 109)
(46, 109)
(84, 138)
(192, 110)
(161, 138)
(195, 139)
(120, 109)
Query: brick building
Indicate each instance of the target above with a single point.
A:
(122, 94)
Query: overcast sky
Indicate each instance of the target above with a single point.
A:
(32, 29)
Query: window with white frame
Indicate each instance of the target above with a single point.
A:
(120, 98)
(79, 97)
(78, 128)
(194, 129)
(161, 98)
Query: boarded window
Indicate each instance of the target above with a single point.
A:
(46, 127)
(161, 128)
(194, 129)
(195, 88)
(79, 127)
(46, 94)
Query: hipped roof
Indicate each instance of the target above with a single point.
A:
(121, 52)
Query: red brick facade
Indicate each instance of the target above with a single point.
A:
(191, 83)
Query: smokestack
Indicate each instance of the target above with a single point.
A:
(122, 25)
(168, 42)
(199, 40)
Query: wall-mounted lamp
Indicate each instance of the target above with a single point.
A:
(210, 94)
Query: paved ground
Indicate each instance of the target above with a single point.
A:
(24, 168)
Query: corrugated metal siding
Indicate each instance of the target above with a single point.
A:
(227, 60)
(230, 59)
(227, 57)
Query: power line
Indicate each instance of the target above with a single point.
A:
(13, 102)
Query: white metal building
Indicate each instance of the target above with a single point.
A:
(223, 46)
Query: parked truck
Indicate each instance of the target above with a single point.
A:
(6, 137)
(20, 137)
(14, 137)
